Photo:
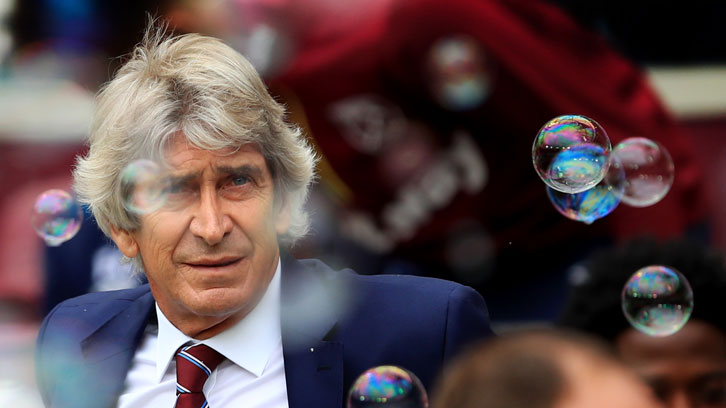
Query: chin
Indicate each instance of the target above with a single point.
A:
(219, 302)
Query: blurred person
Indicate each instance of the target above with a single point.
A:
(426, 123)
(540, 369)
(685, 369)
(221, 291)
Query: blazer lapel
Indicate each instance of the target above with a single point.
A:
(108, 351)
(313, 363)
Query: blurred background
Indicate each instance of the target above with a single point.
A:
(424, 115)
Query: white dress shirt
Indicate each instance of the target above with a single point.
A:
(253, 376)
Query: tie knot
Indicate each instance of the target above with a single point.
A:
(193, 365)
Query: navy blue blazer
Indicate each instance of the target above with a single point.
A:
(86, 344)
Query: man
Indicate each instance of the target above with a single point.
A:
(541, 369)
(686, 369)
(221, 293)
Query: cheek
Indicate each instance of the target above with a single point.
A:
(157, 243)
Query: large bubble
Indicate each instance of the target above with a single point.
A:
(570, 153)
(649, 170)
(657, 300)
(387, 386)
(71, 375)
(460, 76)
(56, 217)
(144, 186)
(595, 203)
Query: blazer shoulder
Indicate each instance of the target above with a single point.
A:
(407, 286)
(415, 284)
(87, 311)
(71, 323)
(107, 296)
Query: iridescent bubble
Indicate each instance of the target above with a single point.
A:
(649, 170)
(144, 186)
(657, 300)
(460, 75)
(570, 153)
(70, 375)
(387, 386)
(595, 203)
(57, 217)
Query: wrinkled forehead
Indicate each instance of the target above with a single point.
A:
(180, 155)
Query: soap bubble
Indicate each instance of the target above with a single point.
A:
(57, 217)
(460, 77)
(595, 203)
(387, 386)
(144, 186)
(648, 169)
(657, 300)
(71, 375)
(570, 153)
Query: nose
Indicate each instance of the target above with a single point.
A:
(210, 223)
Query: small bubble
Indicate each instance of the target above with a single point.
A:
(387, 386)
(56, 217)
(570, 153)
(649, 171)
(595, 203)
(144, 186)
(657, 300)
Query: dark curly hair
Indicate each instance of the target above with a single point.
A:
(594, 304)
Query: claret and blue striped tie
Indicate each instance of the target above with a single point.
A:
(194, 364)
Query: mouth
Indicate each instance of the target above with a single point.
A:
(213, 263)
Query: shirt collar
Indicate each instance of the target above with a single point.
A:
(249, 343)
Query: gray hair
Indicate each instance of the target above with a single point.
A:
(199, 87)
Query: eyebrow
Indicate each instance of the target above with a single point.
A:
(182, 180)
(245, 170)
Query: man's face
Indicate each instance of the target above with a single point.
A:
(211, 251)
(686, 369)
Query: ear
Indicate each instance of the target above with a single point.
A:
(125, 241)
(282, 221)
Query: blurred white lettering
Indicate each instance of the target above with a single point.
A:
(461, 168)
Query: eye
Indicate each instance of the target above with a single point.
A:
(240, 180)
